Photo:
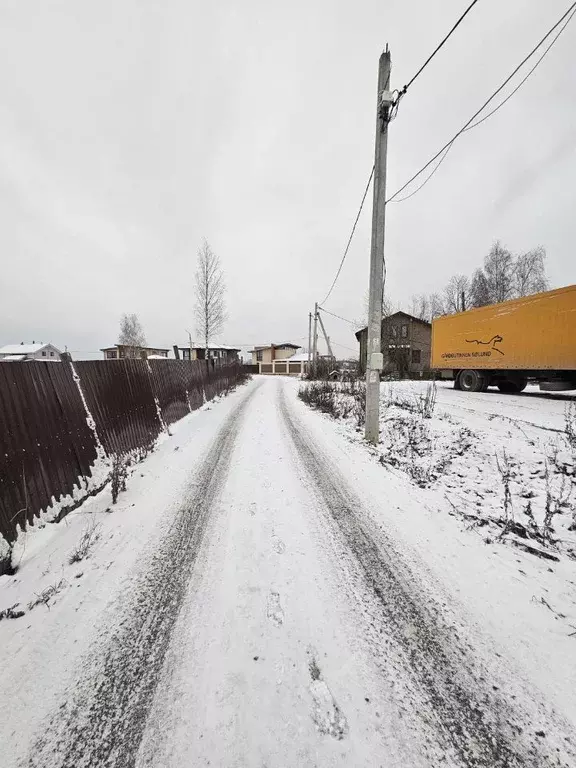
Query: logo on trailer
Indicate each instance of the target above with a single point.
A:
(490, 343)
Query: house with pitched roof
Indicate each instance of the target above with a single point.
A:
(23, 352)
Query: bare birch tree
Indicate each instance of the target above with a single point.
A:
(387, 310)
(499, 269)
(479, 290)
(210, 309)
(457, 294)
(530, 272)
(437, 308)
(131, 335)
(420, 307)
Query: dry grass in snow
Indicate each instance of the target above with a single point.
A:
(504, 464)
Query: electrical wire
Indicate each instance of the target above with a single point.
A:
(350, 238)
(468, 125)
(335, 315)
(392, 116)
(427, 179)
(521, 83)
(438, 47)
(478, 122)
(337, 344)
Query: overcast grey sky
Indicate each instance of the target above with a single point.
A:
(131, 129)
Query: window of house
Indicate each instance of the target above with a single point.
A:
(111, 354)
(51, 354)
(259, 354)
(404, 331)
(185, 354)
(394, 331)
(416, 356)
(43, 354)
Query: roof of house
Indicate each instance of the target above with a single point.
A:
(22, 349)
(136, 346)
(13, 358)
(301, 358)
(211, 346)
(276, 346)
(360, 331)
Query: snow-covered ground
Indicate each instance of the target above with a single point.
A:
(269, 591)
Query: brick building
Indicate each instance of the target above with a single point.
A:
(406, 342)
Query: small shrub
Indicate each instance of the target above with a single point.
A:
(557, 499)
(87, 541)
(338, 399)
(47, 594)
(11, 613)
(320, 395)
(118, 476)
(505, 469)
(426, 403)
(360, 403)
(570, 432)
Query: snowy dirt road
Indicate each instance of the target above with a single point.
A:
(273, 618)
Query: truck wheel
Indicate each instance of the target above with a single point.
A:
(472, 381)
(509, 387)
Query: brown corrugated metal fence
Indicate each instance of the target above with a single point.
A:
(48, 447)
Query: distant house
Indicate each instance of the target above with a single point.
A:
(215, 352)
(279, 359)
(123, 351)
(406, 342)
(23, 352)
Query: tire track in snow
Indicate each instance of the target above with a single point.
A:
(473, 722)
(103, 719)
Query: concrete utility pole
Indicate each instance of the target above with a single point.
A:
(327, 340)
(309, 340)
(375, 362)
(315, 341)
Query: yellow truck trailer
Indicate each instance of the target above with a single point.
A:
(508, 344)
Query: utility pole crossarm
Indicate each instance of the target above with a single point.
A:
(374, 362)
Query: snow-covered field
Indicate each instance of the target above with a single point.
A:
(270, 591)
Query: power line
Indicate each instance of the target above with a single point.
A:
(344, 346)
(438, 47)
(350, 238)
(427, 179)
(478, 122)
(394, 111)
(338, 316)
(521, 83)
(468, 125)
